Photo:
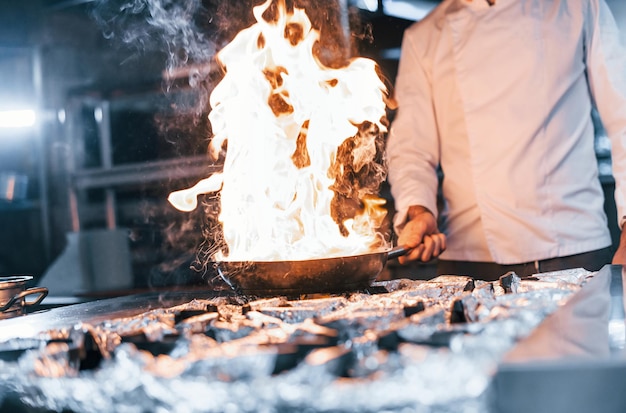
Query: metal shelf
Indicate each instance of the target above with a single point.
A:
(146, 172)
(25, 205)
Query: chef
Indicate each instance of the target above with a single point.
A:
(495, 101)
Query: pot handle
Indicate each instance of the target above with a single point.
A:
(42, 291)
(396, 252)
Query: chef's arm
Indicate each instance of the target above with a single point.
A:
(421, 235)
(606, 73)
(620, 254)
(413, 156)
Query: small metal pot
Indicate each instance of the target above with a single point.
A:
(13, 293)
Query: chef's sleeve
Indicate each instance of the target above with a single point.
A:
(412, 146)
(606, 71)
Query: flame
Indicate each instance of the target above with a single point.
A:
(300, 137)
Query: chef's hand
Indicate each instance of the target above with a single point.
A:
(620, 254)
(421, 236)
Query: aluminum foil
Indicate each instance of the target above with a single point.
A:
(416, 347)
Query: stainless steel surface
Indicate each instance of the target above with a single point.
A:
(575, 361)
(96, 311)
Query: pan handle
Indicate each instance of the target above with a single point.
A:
(396, 252)
(42, 291)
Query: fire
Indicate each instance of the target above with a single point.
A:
(301, 145)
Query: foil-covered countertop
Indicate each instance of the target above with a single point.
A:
(447, 345)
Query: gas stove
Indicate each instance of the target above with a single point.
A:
(451, 344)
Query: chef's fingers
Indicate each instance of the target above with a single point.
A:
(439, 244)
(412, 235)
(434, 244)
(429, 246)
(412, 255)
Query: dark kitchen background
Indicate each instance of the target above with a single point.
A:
(118, 90)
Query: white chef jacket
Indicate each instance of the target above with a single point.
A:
(501, 97)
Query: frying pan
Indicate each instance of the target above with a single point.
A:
(325, 275)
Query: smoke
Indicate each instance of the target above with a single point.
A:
(189, 33)
(165, 25)
(176, 29)
(178, 243)
(186, 34)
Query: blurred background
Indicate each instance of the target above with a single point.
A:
(103, 112)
